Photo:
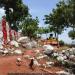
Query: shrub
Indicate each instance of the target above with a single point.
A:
(61, 42)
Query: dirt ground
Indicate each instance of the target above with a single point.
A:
(8, 65)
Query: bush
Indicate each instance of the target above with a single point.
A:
(61, 42)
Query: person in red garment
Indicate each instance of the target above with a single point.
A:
(4, 30)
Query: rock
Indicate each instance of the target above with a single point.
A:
(63, 51)
(48, 52)
(67, 53)
(1, 51)
(71, 51)
(27, 56)
(41, 57)
(70, 64)
(23, 39)
(18, 52)
(48, 47)
(37, 51)
(50, 63)
(55, 54)
(71, 56)
(63, 73)
(28, 45)
(12, 52)
(36, 62)
(44, 65)
(60, 58)
(19, 59)
(5, 51)
(14, 43)
(1, 34)
(1, 47)
(34, 44)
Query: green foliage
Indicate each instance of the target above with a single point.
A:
(29, 26)
(72, 34)
(43, 30)
(56, 19)
(19, 11)
(40, 30)
(61, 42)
(61, 17)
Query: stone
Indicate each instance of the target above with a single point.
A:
(63, 73)
(18, 51)
(23, 39)
(14, 43)
(48, 47)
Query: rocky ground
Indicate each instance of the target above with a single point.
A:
(8, 65)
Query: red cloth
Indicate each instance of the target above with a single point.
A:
(4, 31)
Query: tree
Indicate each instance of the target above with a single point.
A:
(56, 20)
(43, 30)
(72, 34)
(40, 30)
(72, 13)
(29, 27)
(15, 11)
(70, 16)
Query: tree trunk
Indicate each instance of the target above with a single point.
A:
(46, 38)
(73, 31)
(57, 41)
(55, 35)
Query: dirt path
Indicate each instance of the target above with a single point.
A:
(8, 65)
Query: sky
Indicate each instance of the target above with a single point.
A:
(40, 8)
(1, 13)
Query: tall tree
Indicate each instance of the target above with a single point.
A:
(72, 34)
(29, 26)
(56, 19)
(15, 10)
(70, 12)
